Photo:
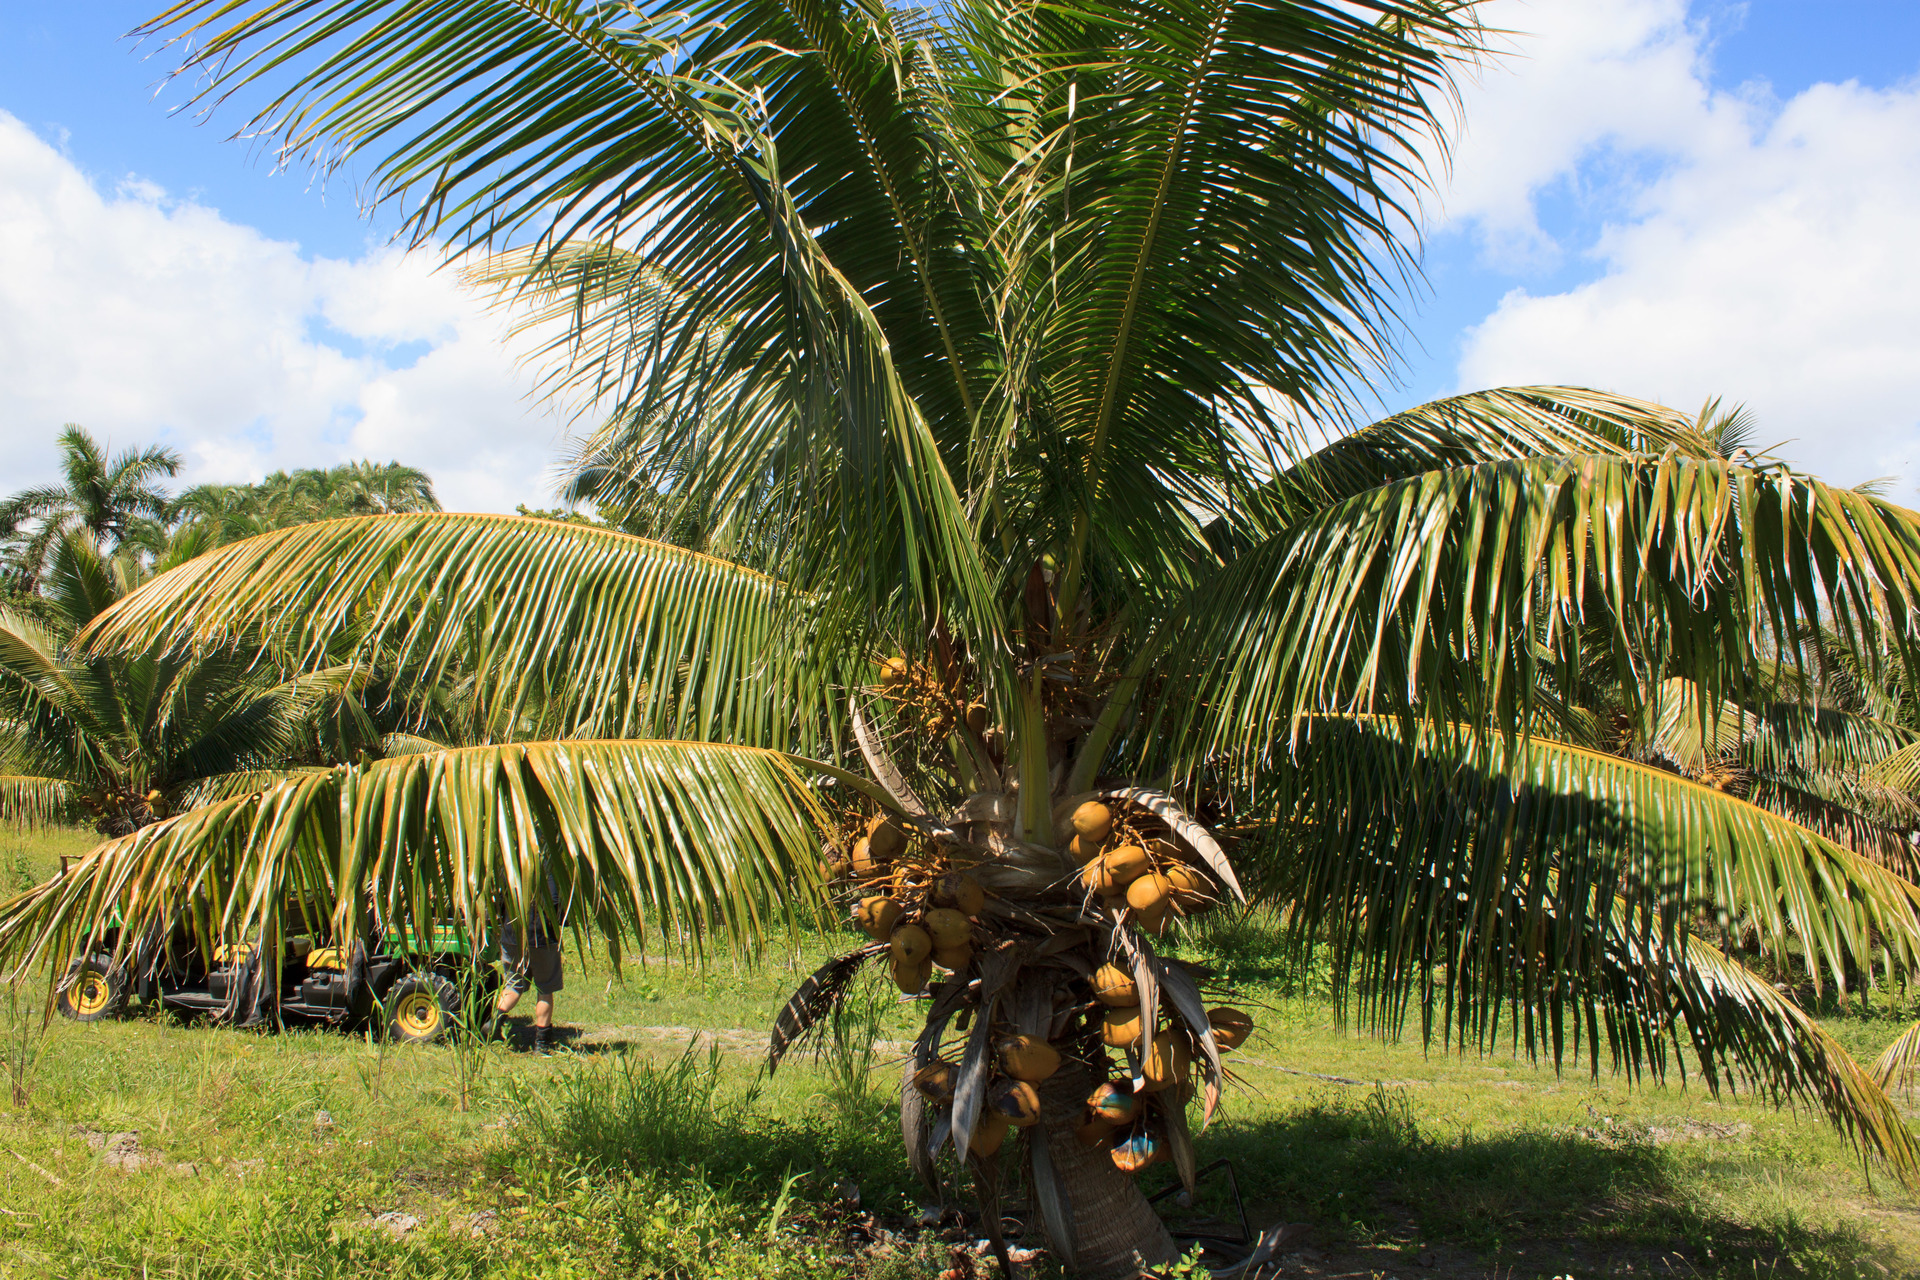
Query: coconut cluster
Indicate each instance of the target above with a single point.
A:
(1022, 1064)
(1146, 878)
(939, 704)
(1129, 1117)
(926, 912)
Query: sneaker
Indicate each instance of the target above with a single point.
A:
(543, 1040)
(494, 1028)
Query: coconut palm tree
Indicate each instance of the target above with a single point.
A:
(110, 498)
(306, 494)
(988, 346)
(122, 741)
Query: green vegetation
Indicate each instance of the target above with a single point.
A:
(638, 1154)
(1016, 575)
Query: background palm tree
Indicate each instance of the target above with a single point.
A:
(306, 494)
(111, 499)
(985, 343)
(122, 741)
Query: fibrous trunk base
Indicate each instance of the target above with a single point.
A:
(1116, 1232)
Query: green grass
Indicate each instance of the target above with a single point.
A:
(636, 1155)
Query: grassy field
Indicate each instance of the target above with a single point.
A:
(654, 1146)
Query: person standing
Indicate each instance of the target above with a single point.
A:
(531, 957)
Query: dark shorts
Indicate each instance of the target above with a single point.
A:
(537, 966)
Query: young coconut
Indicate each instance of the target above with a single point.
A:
(1083, 850)
(1093, 820)
(1167, 1063)
(1136, 1151)
(1028, 1058)
(865, 865)
(1114, 1102)
(877, 916)
(911, 945)
(1018, 1101)
(1154, 923)
(953, 959)
(977, 717)
(937, 1080)
(1149, 893)
(1190, 888)
(1230, 1027)
(989, 1131)
(1095, 878)
(886, 838)
(1120, 1029)
(911, 977)
(960, 891)
(948, 928)
(1126, 864)
(1113, 987)
(894, 671)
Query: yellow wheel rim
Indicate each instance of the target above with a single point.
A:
(418, 1013)
(91, 993)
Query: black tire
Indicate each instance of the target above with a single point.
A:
(92, 990)
(422, 1008)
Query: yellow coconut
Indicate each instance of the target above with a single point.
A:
(877, 916)
(977, 717)
(1018, 1101)
(1149, 893)
(886, 837)
(947, 928)
(1135, 1152)
(894, 671)
(1230, 1027)
(936, 1080)
(1113, 987)
(953, 958)
(1120, 1029)
(1114, 1103)
(1083, 850)
(912, 977)
(910, 944)
(1028, 1058)
(1154, 923)
(1126, 864)
(960, 891)
(865, 865)
(1093, 820)
(1190, 888)
(1094, 1133)
(1095, 878)
(988, 1133)
(1167, 1063)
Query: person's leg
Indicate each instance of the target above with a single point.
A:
(543, 1009)
(509, 997)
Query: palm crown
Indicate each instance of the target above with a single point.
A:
(987, 342)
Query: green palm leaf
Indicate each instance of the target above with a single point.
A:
(630, 635)
(691, 839)
(1454, 591)
(29, 801)
(1464, 874)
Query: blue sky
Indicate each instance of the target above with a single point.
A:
(1669, 199)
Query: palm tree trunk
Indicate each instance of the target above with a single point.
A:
(1116, 1232)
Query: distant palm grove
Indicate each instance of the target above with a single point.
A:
(997, 562)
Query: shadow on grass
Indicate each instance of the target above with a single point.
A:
(1363, 1173)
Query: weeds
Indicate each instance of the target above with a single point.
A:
(27, 1041)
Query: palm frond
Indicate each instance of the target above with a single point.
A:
(1449, 595)
(29, 801)
(628, 635)
(691, 839)
(815, 1000)
(1463, 876)
(1899, 1062)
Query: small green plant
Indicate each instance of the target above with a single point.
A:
(847, 1052)
(27, 1041)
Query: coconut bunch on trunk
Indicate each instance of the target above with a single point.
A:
(1056, 1036)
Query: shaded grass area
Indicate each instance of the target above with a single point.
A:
(318, 1153)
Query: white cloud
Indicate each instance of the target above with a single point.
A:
(150, 320)
(1763, 252)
